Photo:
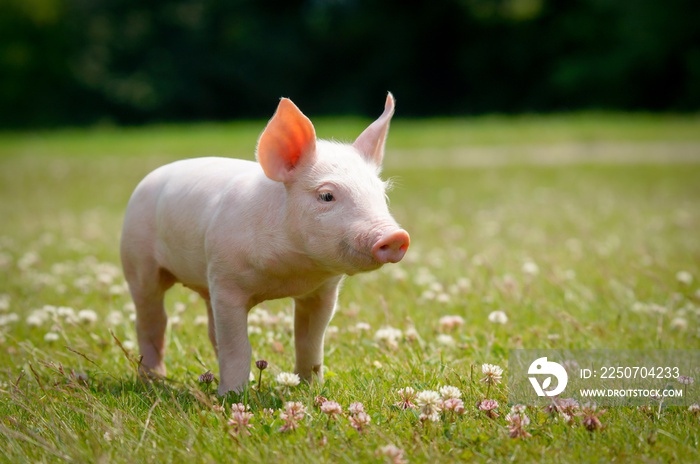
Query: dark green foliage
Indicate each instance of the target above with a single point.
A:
(128, 61)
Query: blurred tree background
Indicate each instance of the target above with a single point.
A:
(76, 62)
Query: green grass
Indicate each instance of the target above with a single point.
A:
(607, 228)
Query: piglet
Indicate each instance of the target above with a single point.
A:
(238, 233)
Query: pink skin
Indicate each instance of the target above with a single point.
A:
(239, 233)
(392, 247)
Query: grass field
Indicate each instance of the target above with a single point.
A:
(583, 230)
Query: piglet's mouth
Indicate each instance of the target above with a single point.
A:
(389, 248)
(360, 260)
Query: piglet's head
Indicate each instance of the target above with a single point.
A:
(336, 211)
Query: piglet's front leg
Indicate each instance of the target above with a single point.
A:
(312, 313)
(232, 343)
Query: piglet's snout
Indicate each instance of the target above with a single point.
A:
(391, 247)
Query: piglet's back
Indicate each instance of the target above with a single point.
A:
(171, 209)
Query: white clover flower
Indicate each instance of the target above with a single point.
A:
(517, 409)
(51, 337)
(454, 405)
(28, 260)
(530, 268)
(433, 417)
(448, 391)
(115, 318)
(436, 287)
(412, 334)
(509, 282)
(286, 321)
(360, 421)
(394, 454)
(445, 340)
(204, 320)
(356, 408)
(7, 319)
(84, 283)
(430, 404)
(517, 422)
(118, 290)
(240, 420)
(362, 326)
(428, 398)
(498, 317)
(87, 316)
(489, 406)
(389, 336)
(565, 417)
(464, 284)
(49, 310)
(492, 373)
(332, 330)
(288, 379)
(258, 316)
(295, 408)
(450, 322)
(291, 415)
(62, 269)
(66, 313)
(36, 318)
(269, 320)
(105, 278)
(252, 329)
(406, 395)
(679, 323)
(684, 277)
(331, 408)
(638, 307)
(240, 407)
(443, 297)
(128, 345)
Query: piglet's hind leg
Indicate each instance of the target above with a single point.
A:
(151, 319)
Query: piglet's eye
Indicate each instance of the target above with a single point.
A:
(326, 196)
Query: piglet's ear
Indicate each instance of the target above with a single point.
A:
(371, 142)
(288, 140)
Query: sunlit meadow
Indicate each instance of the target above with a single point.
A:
(578, 231)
